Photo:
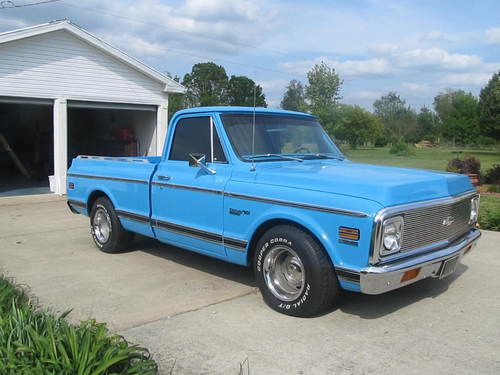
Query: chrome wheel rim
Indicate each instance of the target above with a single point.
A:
(284, 273)
(102, 226)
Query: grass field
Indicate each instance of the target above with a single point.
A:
(426, 158)
(437, 159)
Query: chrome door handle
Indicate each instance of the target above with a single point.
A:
(162, 177)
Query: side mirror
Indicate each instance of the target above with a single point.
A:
(200, 161)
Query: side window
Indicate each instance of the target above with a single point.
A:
(192, 136)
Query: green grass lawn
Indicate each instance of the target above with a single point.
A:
(427, 158)
(437, 159)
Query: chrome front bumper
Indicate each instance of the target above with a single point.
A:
(383, 278)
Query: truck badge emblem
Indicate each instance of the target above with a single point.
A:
(448, 220)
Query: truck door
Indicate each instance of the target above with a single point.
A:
(187, 201)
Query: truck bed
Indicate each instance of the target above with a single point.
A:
(126, 180)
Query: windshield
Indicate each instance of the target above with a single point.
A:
(279, 136)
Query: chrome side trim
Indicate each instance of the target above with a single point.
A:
(185, 187)
(93, 177)
(347, 275)
(265, 200)
(201, 234)
(132, 216)
(297, 205)
(396, 210)
(188, 231)
(234, 243)
(74, 202)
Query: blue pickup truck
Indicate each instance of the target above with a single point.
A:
(269, 189)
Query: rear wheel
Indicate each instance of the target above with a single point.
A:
(106, 229)
(294, 273)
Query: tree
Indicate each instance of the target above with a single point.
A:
(323, 93)
(241, 92)
(324, 86)
(176, 102)
(458, 113)
(206, 85)
(489, 108)
(395, 115)
(294, 97)
(428, 126)
(357, 126)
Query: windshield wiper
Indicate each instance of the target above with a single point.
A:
(252, 157)
(327, 156)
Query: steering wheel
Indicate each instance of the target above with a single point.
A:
(299, 150)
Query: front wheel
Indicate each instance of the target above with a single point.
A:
(106, 229)
(294, 273)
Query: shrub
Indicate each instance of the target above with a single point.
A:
(493, 175)
(472, 165)
(490, 219)
(33, 341)
(401, 148)
(485, 141)
(455, 165)
(494, 188)
(469, 165)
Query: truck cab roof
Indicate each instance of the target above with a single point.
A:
(235, 109)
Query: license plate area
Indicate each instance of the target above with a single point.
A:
(448, 267)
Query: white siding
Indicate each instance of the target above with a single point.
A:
(58, 64)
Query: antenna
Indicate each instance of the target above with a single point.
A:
(252, 168)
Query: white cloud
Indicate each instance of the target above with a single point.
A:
(437, 58)
(374, 66)
(493, 35)
(135, 44)
(466, 79)
(434, 36)
(416, 87)
(222, 9)
(383, 48)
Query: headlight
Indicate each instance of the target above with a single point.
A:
(474, 210)
(392, 233)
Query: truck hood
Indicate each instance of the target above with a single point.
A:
(388, 186)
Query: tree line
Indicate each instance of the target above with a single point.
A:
(456, 116)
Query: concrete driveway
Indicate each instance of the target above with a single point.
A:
(200, 315)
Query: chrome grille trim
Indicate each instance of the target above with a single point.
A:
(424, 226)
(420, 236)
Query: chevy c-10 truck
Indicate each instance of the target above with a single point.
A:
(269, 189)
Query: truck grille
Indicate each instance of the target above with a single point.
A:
(429, 225)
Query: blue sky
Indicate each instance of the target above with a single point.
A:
(416, 48)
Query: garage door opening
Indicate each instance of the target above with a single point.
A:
(110, 130)
(26, 146)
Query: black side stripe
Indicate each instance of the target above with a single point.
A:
(185, 187)
(93, 177)
(265, 200)
(347, 275)
(132, 216)
(298, 205)
(76, 203)
(187, 231)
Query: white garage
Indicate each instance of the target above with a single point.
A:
(64, 92)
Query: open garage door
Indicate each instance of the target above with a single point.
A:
(26, 146)
(109, 129)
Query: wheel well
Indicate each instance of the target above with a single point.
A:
(93, 197)
(270, 224)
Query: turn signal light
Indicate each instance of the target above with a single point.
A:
(411, 274)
